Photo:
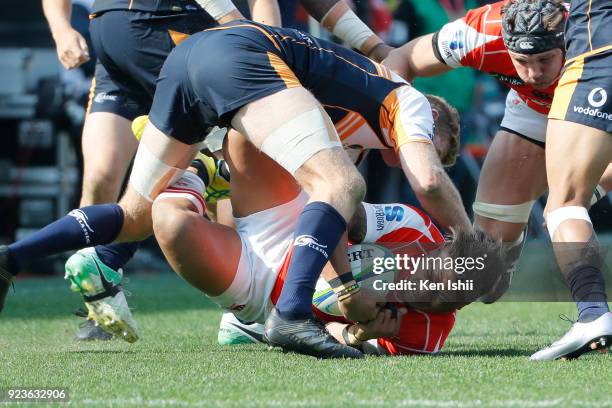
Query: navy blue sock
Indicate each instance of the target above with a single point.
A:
(80, 228)
(589, 292)
(117, 255)
(317, 233)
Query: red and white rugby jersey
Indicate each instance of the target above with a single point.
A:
(476, 41)
(420, 332)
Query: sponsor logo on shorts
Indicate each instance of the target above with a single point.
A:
(82, 219)
(596, 113)
(311, 242)
(598, 97)
(103, 97)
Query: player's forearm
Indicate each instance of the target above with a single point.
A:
(58, 14)
(337, 17)
(266, 12)
(443, 202)
(416, 59)
(432, 186)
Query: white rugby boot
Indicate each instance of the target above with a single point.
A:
(233, 331)
(580, 339)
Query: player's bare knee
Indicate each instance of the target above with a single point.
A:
(170, 220)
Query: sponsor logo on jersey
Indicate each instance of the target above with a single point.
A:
(311, 242)
(457, 41)
(598, 97)
(380, 217)
(103, 97)
(82, 219)
(510, 80)
(394, 213)
(304, 37)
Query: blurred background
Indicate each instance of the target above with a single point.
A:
(42, 107)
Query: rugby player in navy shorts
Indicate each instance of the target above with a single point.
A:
(253, 70)
(132, 39)
(578, 151)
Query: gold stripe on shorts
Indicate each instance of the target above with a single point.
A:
(565, 89)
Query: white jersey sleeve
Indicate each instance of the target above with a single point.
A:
(412, 119)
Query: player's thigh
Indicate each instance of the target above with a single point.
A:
(204, 253)
(258, 182)
(514, 173)
(576, 157)
(301, 137)
(580, 130)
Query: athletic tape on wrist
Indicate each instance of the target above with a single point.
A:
(150, 176)
(342, 280)
(217, 8)
(346, 335)
(345, 24)
(556, 217)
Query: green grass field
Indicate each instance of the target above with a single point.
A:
(178, 363)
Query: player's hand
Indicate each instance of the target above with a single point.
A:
(360, 307)
(385, 325)
(72, 49)
(380, 52)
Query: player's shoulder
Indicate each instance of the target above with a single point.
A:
(486, 19)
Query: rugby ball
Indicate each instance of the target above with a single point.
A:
(362, 260)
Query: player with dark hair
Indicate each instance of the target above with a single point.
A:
(578, 151)
(520, 42)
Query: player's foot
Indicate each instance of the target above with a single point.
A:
(233, 331)
(6, 278)
(215, 175)
(90, 331)
(100, 287)
(581, 338)
(305, 336)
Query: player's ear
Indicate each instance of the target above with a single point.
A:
(435, 113)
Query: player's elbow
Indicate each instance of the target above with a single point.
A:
(429, 184)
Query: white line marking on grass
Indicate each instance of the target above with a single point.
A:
(141, 402)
